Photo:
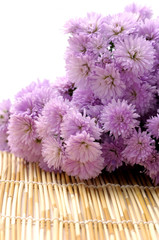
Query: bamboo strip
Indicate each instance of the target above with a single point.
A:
(88, 211)
(79, 211)
(36, 202)
(50, 189)
(144, 206)
(47, 208)
(56, 225)
(93, 193)
(60, 207)
(83, 204)
(132, 210)
(150, 204)
(24, 205)
(66, 215)
(124, 209)
(7, 169)
(76, 231)
(93, 214)
(19, 198)
(30, 202)
(10, 198)
(114, 231)
(42, 205)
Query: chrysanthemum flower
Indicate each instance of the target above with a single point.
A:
(139, 147)
(141, 95)
(149, 29)
(52, 117)
(111, 152)
(97, 45)
(52, 152)
(22, 137)
(74, 122)
(134, 54)
(83, 156)
(79, 69)
(153, 126)
(119, 25)
(92, 24)
(119, 118)
(106, 83)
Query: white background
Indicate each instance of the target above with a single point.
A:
(32, 42)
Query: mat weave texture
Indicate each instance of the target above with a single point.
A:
(39, 205)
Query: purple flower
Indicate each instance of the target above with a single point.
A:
(52, 152)
(134, 54)
(97, 45)
(52, 117)
(79, 69)
(119, 25)
(92, 24)
(22, 137)
(153, 126)
(83, 98)
(141, 95)
(149, 29)
(74, 122)
(106, 83)
(138, 148)
(112, 150)
(83, 156)
(119, 118)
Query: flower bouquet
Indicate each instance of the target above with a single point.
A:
(104, 113)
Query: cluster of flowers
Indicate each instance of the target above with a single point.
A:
(104, 112)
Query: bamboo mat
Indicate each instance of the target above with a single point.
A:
(39, 205)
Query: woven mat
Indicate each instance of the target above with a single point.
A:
(39, 205)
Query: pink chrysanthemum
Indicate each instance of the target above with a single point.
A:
(74, 122)
(135, 55)
(52, 152)
(106, 83)
(52, 116)
(119, 118)
(153, 126)
(141, 95)
(83, 156)
(22, 137)
(119, 25)
(79, 69)
(139, 148)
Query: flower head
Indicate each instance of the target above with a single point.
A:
(106, 83)
(138, 148)
(52, 152)
(83, 156)
(135, 55)
(22, 137)
(119, 118)
(74, 122)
